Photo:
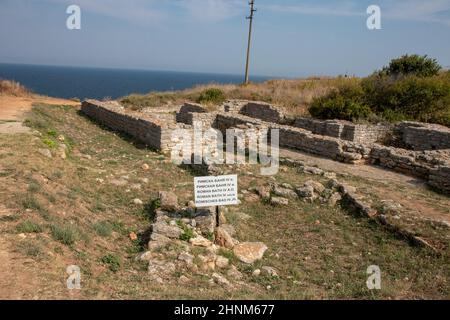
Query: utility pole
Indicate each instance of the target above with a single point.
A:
(252, 11)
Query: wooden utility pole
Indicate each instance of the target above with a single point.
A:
(252, 11)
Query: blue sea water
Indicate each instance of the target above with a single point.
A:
(82, 83)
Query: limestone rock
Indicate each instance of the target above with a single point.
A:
(278, 201)
(168, 201)
(200, 241)
(222, 262)
(285, 193)
(186, 257)
(46, 153)
(219, 279)
(162, 228)
(234, 273)
(160, 270)
(305, 192)
(334, 199)
(249, 252)
(205, 220)
(157, 241)
(269, 271)
(317, 186)
(223, 239)
(313, 170)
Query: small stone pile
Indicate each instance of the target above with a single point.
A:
(177, 231)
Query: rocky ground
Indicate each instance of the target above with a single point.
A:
(77, 194)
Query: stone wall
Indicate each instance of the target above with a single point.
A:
(299, 139)
(142, 127)
(345, 130)
(422, 136)
(440, 178)
(263, 111)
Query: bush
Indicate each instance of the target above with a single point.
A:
(112, 261)
(212, 96)
(345, 103)
(29, 227)
(412, 97)
(103, 228)
(420, 66)
(66, 235)
(410, 88)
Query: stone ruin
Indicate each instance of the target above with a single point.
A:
(416, 149)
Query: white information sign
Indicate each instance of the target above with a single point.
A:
(216, 191)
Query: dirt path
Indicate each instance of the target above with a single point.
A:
(12, 110)
(430, 208)
(363, 171)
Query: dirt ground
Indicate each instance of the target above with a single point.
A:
(392, 184)
(13, 109)
(76, 214)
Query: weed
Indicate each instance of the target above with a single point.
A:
(112, 261)
(64, 234)
(29, 227)
(102, 228)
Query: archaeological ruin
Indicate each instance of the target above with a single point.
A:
(416, 149)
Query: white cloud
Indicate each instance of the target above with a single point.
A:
(435, 11)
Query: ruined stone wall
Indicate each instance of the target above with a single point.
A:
(299, 139)
(365, 134)
(262, 111)
(440, 178)
(422, 136)
(141, 127)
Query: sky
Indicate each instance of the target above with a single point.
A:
(292, 38)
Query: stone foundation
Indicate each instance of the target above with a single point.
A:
(422, 136)
(142, 127)
(345, 130)
(340, 141)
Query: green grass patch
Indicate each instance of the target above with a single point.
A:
(67, 235)
(112, 261)
(29, 226)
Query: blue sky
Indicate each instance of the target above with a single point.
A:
(293, 38)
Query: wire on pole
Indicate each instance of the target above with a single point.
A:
(250, 17)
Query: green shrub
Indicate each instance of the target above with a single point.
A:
(345, 103)
(187, 232)
(212, 96)
(29, 227)
(65, 234)
(112, 261)
(103, 228)
(420, 66)
(412, 97)
(410, 88)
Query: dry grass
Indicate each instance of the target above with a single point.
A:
(9, 87)
(72, 213)
(294, 96)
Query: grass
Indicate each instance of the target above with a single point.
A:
(325, 261)
(8, 87)
(103, 228)
(65, 234)
(112, 261)
(28, 226)
(294, 96)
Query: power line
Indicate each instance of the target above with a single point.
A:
(252, 11)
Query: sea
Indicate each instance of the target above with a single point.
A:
(99, 83)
